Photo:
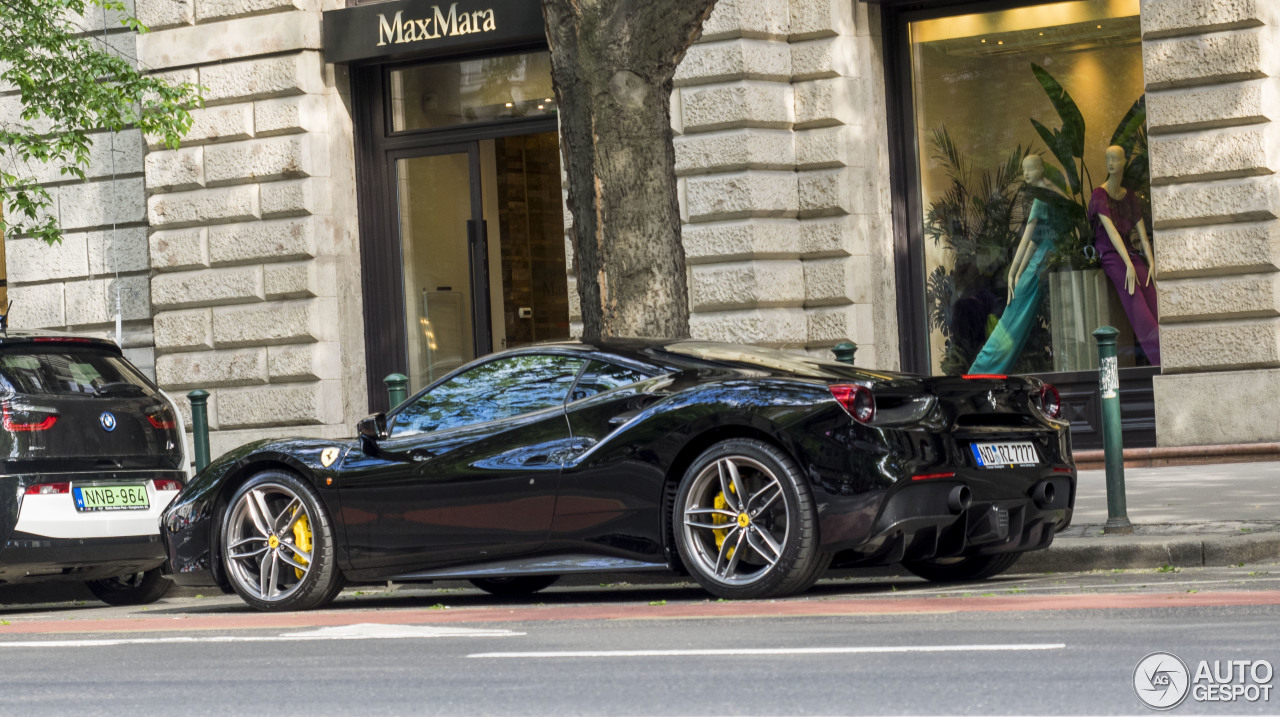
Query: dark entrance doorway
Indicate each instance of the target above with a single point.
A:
(462, 228)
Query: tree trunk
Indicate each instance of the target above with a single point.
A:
(612, 62)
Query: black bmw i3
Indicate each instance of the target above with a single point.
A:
(92, 454)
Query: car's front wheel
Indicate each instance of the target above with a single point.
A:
(136, 589)
(969, 567)
(745, 522)
(277, 544)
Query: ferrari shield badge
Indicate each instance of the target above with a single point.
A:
(328, 456)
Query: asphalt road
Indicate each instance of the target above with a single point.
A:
(1056, 644)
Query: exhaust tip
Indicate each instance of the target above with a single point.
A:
(1044, 494)
(960, 499)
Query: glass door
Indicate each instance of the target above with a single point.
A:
(443, 255)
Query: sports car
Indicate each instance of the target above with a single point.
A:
(752, 470)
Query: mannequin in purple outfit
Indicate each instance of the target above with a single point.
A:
(1114, 213)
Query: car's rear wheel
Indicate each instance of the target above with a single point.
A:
(515, 586)
(136, 589)
(745, 522)
(277, 544)
(969, 567)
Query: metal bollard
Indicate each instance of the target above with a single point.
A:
(844, 351)
(397, 388)
(1112, 440)
(200, 426)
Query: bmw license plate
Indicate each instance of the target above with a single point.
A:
(111, 497)
(1003, 455)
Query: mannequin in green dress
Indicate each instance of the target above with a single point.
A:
(1005, 343)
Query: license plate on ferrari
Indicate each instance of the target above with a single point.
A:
(1003, 455)
(111, 497)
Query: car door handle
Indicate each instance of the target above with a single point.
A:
(539, 460)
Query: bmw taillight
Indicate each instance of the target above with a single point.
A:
(27, 423)
(48, 488)
(857, 401)
(1050, 401)
(162, 419)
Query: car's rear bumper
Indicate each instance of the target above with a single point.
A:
(34, 558)
(44, 537)
(994, 512)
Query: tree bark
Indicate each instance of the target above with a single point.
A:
(612, 62)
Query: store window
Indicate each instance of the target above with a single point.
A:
(487, 89)
(1034, 190)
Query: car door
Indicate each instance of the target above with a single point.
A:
(468, 471)
(606, 491)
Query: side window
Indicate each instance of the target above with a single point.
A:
(600, 377)
(498, 389)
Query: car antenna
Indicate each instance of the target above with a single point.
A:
(4, 318)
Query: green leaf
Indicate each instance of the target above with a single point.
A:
(1072, 120)
(1131, 125)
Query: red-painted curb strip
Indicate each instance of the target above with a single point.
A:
(790, 608)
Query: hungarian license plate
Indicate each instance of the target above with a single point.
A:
(1002, 455)
(111, 497)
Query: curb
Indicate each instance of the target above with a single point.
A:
(1128, 552)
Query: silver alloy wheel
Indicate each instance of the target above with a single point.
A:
(262, 553)
(753, 531)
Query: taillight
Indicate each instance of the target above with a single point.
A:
(857, 401)
(15, 426)
(1050, 401)
(48, 488)
(167, 485)
(934, 476)
(161, 419)
(980, 376)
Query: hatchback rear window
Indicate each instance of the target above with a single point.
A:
(71, 373)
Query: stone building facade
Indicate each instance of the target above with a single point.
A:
(241, 259)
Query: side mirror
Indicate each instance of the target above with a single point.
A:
(373, 428)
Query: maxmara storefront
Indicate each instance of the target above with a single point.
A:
(957, 187)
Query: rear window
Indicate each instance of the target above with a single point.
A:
(71, 373)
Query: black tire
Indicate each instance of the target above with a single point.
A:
(302, 579)
(969, 567)
(136, 589)
(516, 586)
(775, 550)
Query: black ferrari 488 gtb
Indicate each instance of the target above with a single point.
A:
(753, 470)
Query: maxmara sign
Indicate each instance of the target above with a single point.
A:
(429, 27)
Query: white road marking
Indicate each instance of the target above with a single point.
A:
(363, 631)
(779, 651)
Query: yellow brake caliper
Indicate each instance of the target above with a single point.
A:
(302, 539)
(721, 504)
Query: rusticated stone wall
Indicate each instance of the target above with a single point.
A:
(256, 293)
(1213, 95)
(781, 154)
(102, 264)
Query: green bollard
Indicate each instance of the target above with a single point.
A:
(844, 351)
(200, 426)
(1112, 439)
(397, 388)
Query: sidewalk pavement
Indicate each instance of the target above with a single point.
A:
(1183, 516)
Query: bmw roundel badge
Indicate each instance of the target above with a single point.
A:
(108, 421)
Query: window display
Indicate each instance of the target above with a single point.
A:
(1016, 112)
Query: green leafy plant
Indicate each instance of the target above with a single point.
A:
(71, 83)
(979, 220)
(1072, 177)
